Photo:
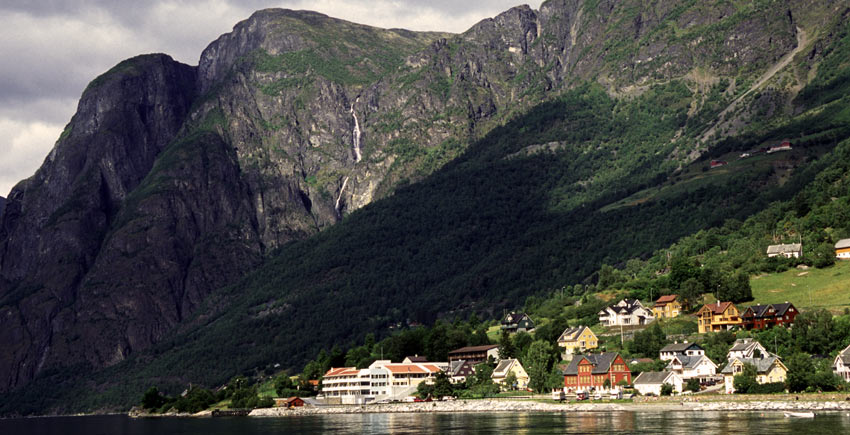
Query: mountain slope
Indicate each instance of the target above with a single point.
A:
(286, 130)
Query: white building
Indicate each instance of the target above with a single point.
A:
(792, 250)
(688, 360)
(627, 312)
(651, 382)
(383, 379)
(680, 349)
(841, 366)
(842, 249)
(747, 348)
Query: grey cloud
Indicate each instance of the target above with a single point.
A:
(51, 49)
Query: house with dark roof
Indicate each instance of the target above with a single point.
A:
(791, 250)
(718, 316)
(591, 371)
(627, 312)
(769, 369)
(841, 365)
(688, 360)
(475, 354)
(459, 370)
(842, 249)
(766, 316)
(516, 322)
(651, 382)
(667, 307)
(747, 348)
(673, 350)
(577, 339)
(414, 359)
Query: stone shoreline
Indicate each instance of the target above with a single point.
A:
(499, 406)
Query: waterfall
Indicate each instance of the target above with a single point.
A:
(356, 132)
(338, 198)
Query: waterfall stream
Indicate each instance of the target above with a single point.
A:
(338, 198)
(356, 132)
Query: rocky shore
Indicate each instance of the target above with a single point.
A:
(540, 406)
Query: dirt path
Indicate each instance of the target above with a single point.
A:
(802, 42)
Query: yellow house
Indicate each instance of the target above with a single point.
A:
(768, 370)
(506, 367)
(578, 339)
(717, 317)
(667, 307)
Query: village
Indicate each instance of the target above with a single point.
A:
(633, 351)
(588, 372)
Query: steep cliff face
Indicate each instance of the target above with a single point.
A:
(172, 181)
(54, 224)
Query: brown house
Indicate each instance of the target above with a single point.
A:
(289, 402)
(475, 354)
(766, 316)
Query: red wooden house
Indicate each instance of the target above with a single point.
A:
(589, 372)
(766, 316)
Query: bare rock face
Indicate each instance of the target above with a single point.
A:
(171, 181)
(54, 223)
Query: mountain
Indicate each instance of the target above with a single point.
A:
(2, 204)
(320, 176)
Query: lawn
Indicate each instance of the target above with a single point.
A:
(814, 288)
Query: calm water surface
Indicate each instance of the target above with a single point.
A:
(681, 422)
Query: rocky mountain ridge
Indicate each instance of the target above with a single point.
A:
(171, 181)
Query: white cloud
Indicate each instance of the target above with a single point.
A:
(23, 149)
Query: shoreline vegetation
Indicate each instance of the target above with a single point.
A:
(769, 403)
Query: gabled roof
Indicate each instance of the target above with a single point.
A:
(781, 249)
(691, 362)
(652, 378)
(718, 307)
(758, 310)
(762, 310)
(666, 299)
(601, 363)
(416, 359)
(342, 371)
(457, 366)
(680, 347)
(844, 355)
(782, 308)
(624, 309)
(483, 348)
(762, 364)
(504, 366)
(843, 244)
(572, 334)
(514, 317)
(398, 369)
(744, 345)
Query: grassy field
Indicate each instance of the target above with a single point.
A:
(814, 288)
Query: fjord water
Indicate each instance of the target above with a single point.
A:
(681, 422)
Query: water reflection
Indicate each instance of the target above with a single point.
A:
(672, 422)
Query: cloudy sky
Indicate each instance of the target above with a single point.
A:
(50, 50)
